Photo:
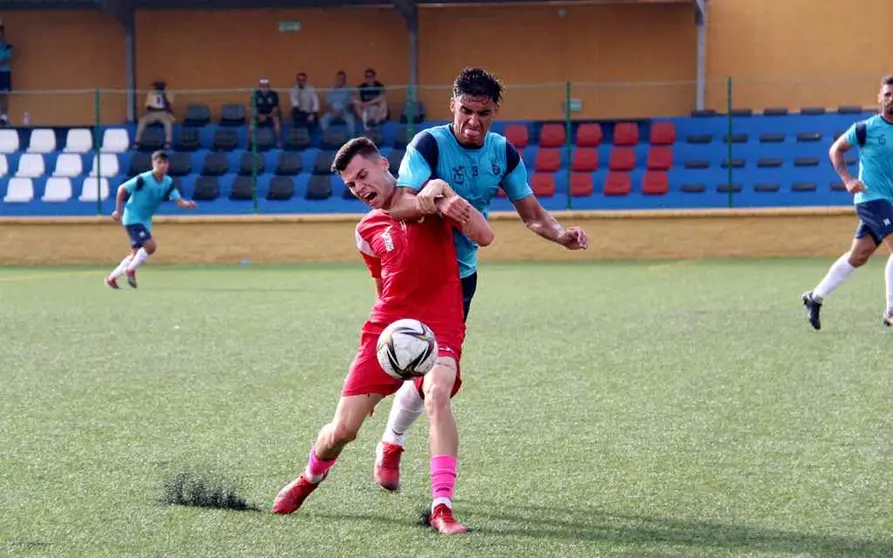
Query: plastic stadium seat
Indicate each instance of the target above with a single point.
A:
(412, 112)
(696, 164)
(849, 109)
(375, 135)
(777, 111)
(19, 190)
(232, 114)
(552, 135)
(735, 163)
(518, 135)
(703, 113)
(4, 165)
(589, 135)
(9, 141)
(108, 163)
(297, 139)
(741, 112)
(766, 187)
(660, 158)
(92, 187)
(617, 184)
(43, 140)
(402, 138)
(663, 133)
(543, 184)
(394, 158)
(187, 140)
(806, 162)
(319, 188)
(281, 188)
(57, 190)
(693, 188)
(139, 163)
(622, 159)
(152, 139)
(809, 137)
(812, 111)
(727, 188)
(769, 162)
(180, 164)
(838, 186)
(215, 164)
(581, 184)
(266, 138)
(207, 188)
(246, 162)
(225, 139)
(655, 183)
(548, 160)
(69, 165)
(334, 138)
(31, 165)
(323, 162)
(626, 133)
(115, 140)
(771, 138)
(78, 140)
(243, 189)
(699, 139)
(288, 164)
(735, 138)
(585, 160)
(197, 115)
(803, 187)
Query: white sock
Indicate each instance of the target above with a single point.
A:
(836, 275)
(888, 276)
(140, 257)
(119, 271)
(445, 501)
(408, 407)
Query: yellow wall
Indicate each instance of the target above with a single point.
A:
(780, 53)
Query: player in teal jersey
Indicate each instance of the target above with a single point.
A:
(873, 196)
(147, 191)
(475, 163)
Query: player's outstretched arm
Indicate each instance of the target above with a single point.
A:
(473, 224)
(836, 154)
(123, 189)
(538, 220)
(185, 204)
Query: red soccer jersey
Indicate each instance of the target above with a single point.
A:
(419, 272)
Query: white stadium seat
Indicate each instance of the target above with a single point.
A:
(92, 186)
(4, 165)
(57, 190)
(9, 141)
(69, 165)
(19, 190)
(109, 165)
(43, 140)
(115, 140)
(79, 140)
(31, 165)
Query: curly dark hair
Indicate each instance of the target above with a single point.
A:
(478, 82)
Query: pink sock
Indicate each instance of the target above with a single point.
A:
(317, 468)
(443, 479)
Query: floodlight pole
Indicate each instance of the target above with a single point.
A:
(701, 23)
(410, 12)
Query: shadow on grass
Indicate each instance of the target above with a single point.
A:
(590, 524)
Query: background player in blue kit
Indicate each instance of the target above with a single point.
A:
(147, 191)
(873, 196)
(475, 163)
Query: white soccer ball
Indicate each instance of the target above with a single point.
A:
(407, 349)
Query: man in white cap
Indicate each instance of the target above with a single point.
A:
(266, 102)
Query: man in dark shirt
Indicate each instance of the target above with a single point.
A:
(266, 102)
(371, 104)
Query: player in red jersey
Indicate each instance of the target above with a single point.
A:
(416, 276)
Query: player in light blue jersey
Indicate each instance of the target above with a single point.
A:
(873, 196)
(147, 191)
(475, 163)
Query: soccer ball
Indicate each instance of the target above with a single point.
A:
(407, 349)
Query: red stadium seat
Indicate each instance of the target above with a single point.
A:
(655, 183)
(548, 160)
(552, 135)
(660, 158)
(626, 133)
(585, 160)
(518, 135)
(663, 133)
(589, 135)
(581, 184)
(543, 184)
(617, 184)
(622, 159)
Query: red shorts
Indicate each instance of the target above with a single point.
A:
(366, 375)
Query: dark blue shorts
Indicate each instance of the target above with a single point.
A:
(876, 220)
(5, 82)
(138, 235)
(469, 286)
